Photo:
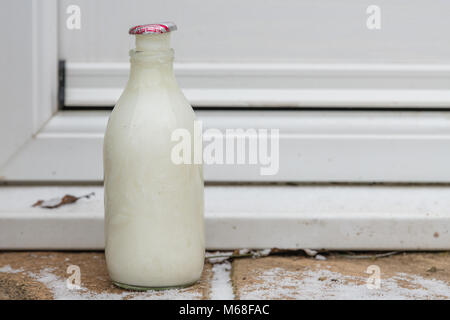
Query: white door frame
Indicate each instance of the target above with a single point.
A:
(312, 85)
(29, 74)
(327, 146)
(41, 144)
(250, 216)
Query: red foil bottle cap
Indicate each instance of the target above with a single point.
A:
(153, 28)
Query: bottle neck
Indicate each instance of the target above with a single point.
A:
(153, 42)
(152, 61)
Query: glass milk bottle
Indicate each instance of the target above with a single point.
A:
(154, 225)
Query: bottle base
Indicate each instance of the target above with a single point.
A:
(145, 288)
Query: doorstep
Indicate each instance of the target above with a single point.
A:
(340, 217)
(43, 275)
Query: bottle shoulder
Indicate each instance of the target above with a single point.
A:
(152, 110)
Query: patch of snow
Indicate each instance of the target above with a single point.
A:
(8, 269)
(310, 252)
(261, 253)
(278, 283)
(62, 292)
(220, 256)
(221, 287)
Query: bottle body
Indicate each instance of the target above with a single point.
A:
(154, 225)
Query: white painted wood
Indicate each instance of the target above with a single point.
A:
(421, 99)
(315, 146)
(28, 62)
(303, 31)
(276, 85)
(324, 57)
(298, 53)
(330, 217)
(15, 125)
(44, 72)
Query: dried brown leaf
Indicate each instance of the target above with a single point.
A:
(38, 203)
(58, 202)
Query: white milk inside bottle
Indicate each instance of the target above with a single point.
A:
(154, 224)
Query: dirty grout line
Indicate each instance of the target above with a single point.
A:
(221, 286)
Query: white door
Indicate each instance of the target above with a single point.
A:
(359, 92)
